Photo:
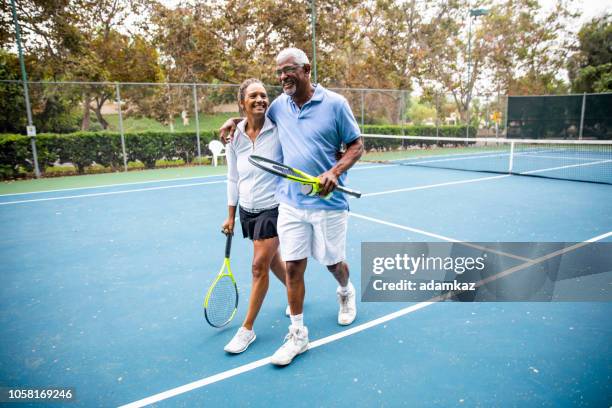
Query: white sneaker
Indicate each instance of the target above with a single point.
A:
(348, 307)
(296, 342)
(288, 311)
(240, 341)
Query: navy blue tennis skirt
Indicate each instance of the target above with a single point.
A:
(261, 225)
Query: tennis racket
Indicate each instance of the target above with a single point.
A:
(290, 173)
(221, 301)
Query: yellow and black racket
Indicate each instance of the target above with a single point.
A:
(221, 301)
(290, 173)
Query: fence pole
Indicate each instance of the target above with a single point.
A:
(467, 118)
(582, 116)
(506, 115)
(438, 108)
(362, 110)
(125, 166)
(497, 109)
(486, 118)
(401, 111)
(197, 120)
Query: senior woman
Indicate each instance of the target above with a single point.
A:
(253, 190)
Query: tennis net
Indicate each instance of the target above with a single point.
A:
(578, 160)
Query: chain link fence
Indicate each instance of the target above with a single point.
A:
(184, 117)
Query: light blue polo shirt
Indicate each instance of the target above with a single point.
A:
(310, 138)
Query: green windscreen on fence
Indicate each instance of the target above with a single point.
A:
(598, 117)
(560, 117)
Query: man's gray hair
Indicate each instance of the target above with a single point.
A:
(298, 55)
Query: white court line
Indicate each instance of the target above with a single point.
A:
(112, 185)
(224, 181)
(337, 336)
(450, 183)
(374, 166)
(437, 236)
(265, 361)
(34, 200)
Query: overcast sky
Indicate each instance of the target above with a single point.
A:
(589, 8)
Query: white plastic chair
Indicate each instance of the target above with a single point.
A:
(218, 150)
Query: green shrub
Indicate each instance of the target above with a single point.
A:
(83, 149)
(14, 152)
(169, 163)
(97, 168)
(135, 165)
(58, 171)
(204, 160)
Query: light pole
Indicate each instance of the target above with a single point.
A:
(473, 13)
(313, 19)
(31, 130)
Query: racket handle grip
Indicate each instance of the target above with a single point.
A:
(346, 190)
(228, 245)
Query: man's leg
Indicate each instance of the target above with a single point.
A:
(295, 286)
(329, 248)
(340, 272)
(295, 242)
(345, 292)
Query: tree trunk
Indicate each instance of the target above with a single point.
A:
(86, 111)
(98, 111)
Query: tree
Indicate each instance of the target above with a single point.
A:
(115, 57)
(527, 47)
(517, 46)
(590, 68)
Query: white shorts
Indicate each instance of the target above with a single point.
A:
(318, 233)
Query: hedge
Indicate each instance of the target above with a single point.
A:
(410, 130)
(83, 149)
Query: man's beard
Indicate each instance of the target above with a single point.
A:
(290, 91)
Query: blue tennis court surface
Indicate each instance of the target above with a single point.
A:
(102, 291)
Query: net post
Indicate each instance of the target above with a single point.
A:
(197, 121)
(118, 101)
(511, 163)
(582, 116)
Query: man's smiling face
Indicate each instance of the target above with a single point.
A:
(293, 77)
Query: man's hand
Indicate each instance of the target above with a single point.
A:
(226, 132)
(327, 182)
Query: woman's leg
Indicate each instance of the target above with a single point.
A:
(278, 266)
(264, 251)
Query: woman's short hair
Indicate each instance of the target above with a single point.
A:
(242, 90)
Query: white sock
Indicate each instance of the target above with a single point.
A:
(344, 290)
(247, 330)
(297, 320)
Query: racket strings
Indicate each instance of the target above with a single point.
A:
(222, 302)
